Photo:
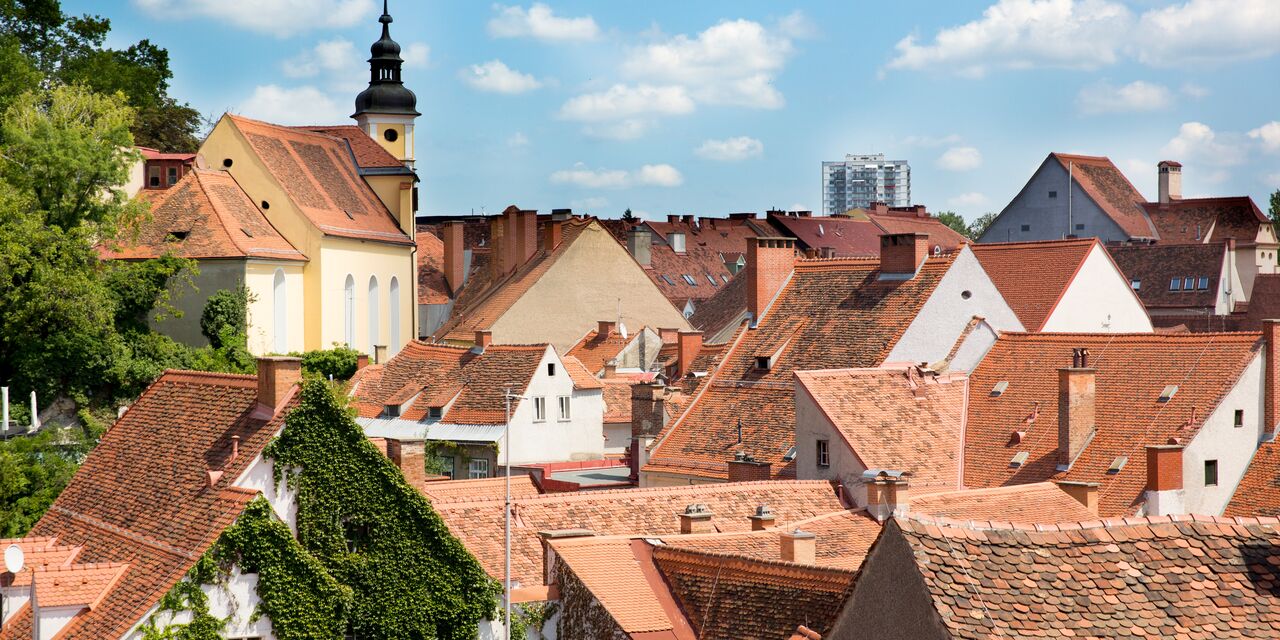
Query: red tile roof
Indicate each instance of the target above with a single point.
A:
(617, 572)
(204, 215)
(708, 242)
(1258, 493)
(1264, 300)
(443, 491)
(432, 286)
(1155, 265)
(1108, 187)
(894, 418)
(1132, 369)
(940, 235)
(1040, 502)
(830, 314)
(368, 153)
(1180, 577)
(727, 307)
(78, 585)
(320, 175)
(617, 400)
(1207, 219)
(155, 154)
(849, 237)
(594, 351)
(142, 497)
(843, 538)
(1033, 276)
(582, 378)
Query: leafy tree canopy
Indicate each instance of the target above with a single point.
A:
(955, 221)
(980, 224)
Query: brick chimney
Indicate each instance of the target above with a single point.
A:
(762, 519)
(696, 518)
(668, 335)
(1271, 376)
(509, 250)
(1164, 495)
(453, 255)
(527, 237)
(1076, 404)
(1170, 177)
(800, 547)
(688, 343)
(551, 234)
(888, 496)
(1086, 493)
(640, 244)
(605, 328)
(769, 265)
(648, 417)
(410, 456)
(744, 468)
(483, 339)
(901, 254)
(277, 376)
(362, 361)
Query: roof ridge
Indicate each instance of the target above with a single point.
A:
(920, 520)
(757, 565)
(1190, 337)
(1017, 243)
(711, 488)
(188, 375)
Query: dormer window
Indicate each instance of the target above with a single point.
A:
(764, 363)
(435, 413)
(391, 411)
(1136, 285)
(677, 242)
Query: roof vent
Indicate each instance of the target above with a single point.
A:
(1168, 392)
(1019, 459)
(1017, 437)
(789, 455)
(1117, 465)
(998, 390)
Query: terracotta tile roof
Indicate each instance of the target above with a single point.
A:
(154, 154)
(1264, 300)
(728, 597)
(582, 378)
(708, 243)
(1032, 276)
(1108, 187)
(1207, 219)
(320, 176)
(442, 491)
(78, 585)
(1132, 369)
(1181, 577)
(728, 306)
(622, 511)
(205, 215)
(613, 570)
(1258, 493)
(849, 237)
(432, 286)
(940, 235)
(843, 538)
(1040, 502)
(594, 352)
(830, 314)
(894, 418)
(617, 400)
(368, 153)
(1155, 265)
(39, 553)
(142, 497)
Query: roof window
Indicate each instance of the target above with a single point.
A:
(764, 363)
(666, 278)
(689, 279)
(435, 413)
(1019, 459)
(712, 280)
(1136, 285)
(1188, 283)
(1203, 283)
(725, 278)
(1175, 284)
(998, 390)
(177, 236)
(789, 455)
(1167, 393)
(1117, 465)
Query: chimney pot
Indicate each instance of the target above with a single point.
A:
(235, 447)
(689, 343)
(1077, 392)
(903, 253)
(484, 337)
(887, 496)
(277, 376)
(1170, 179)
(800, 547)
(762, 519)
(380, 353)
(640, 244)
(411, 458)
(696, 518)
(744, 468)
(1164, 480)
(551, 235)
(526, 238)
(362, 361)
(453, 255)
(769, 264)
(605, 328)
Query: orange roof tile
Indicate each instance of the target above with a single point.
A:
(204, 215)
(78, 585)
(1040, 502)
(617, 399)
(368, 153)
(940, 235)
(894, 418)
(432, 287)
(847, 318)
(442, 491)
(582, 378)
(843, 538)
(1108, 187)
(594, 352)
(319, 174)
(1258, 493)
(1195, 220)
(708, 241)
(728, 306)
(1033, 276)
(1132, 369)
(611, 569)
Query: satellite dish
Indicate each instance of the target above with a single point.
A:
(14, 559)
(622, 328)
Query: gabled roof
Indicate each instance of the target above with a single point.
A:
(1153, 266)
(432, 286)
(842, 539)
(708, 242)
(1207, 219)
(1033, 276)
(442, 491)
(155, 154)
(1258, 493)
(1132, 370)
(727, 307)
(142, 497)
(369, 154)
(478, 524)
(1108, 187)
(830, 314)
(1264, 300)
(1037, 503)
(594, 351)
(617, 400)
(582, 378)
(1198, 578)
(940, 235)
(320, 175)
(895, 418)
(849, 237)
(204, 215)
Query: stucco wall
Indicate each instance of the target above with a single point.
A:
(652, 479)
(889, 600)
(360, 259)
(812, 425)
(1047, 216)
(587, 284)
(214, 275)
(1099, 300)
(579, 438)
(1220, 440)
(260, 277)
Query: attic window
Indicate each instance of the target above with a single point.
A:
(391, 411)
(435, 413)
(177, 236)
(712, 280)
(349, 216)
(1019, 459)
(1175, 284)
(821, 231)
(764, 362)
(789, 455)
(265, 205)
(1026, 227)
(1202, 284)
(391, 135)
(724, 278)
(1079, 226)
(998, 390)
(966, 294)
(246, 232)
(226, 162)
(668, 280)
(551, 368)
(1117, 465)
(1167, 393)
(689, 279)
(1135, 284)
(1053, 194)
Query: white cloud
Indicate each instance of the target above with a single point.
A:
(629, 129)
(797, 25)
(1104, 97)
(281, 18)
(518, 140)
(341, 65)
(589, 204)
(1269, 135)
(293, 106)
(540, 22)
(496, 77)
(796, 206)
(625, 112)
(1208, 31)
(1020, 34)
(931, 141)
(960, 159)
(731, 149)
(1196, 142)
(970, 199)
(416, 54)
(1194, 90)
(649, 175)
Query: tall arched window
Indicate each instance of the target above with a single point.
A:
(373, 313)
(281, 309)
(349, 311)
(393, 312)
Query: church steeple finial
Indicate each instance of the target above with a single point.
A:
(386, 93)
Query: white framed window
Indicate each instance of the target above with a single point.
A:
(564, 408)
(824, 453)
(539, 409)
(349, 311)
(280, 304)
(478, 468)
(373, 313)
(393, 316)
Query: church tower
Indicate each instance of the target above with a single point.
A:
(386, 109)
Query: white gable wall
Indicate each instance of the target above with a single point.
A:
(1099, 299)
(1219, 439)
(581, 437)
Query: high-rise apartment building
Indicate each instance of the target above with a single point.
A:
(859, 180)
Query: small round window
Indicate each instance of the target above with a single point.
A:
(266, 205)
(226, 162)
(966, 294)
(391, 135)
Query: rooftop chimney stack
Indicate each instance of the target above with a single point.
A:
(411, 457)
(696, 519)
(901, 254)
(1164, 495)
(769, 265)
(362, 361)
(762, 519)
(688, 344)
(380, 353)
(484, 337)
(800, 547)
(605, 328)
(551, 235)
(1084, 492)
(640, 244)
(1271, 376)
(527, 238)
(1170, 174)
(1077, 390)
(453, 255)
(277, 376)
(648, 418)
(887, 496)
(744, 468)
(507, 246)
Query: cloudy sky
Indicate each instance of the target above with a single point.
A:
(712, 107)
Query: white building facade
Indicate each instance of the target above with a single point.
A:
(859, 180)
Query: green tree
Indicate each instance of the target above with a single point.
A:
(955, 221)
(225, 312)
(1274, 210)
(628, 216)
(980, 224)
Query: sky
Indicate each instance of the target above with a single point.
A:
(714, 107)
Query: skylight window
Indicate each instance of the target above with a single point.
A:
(997, 390)
(689, 279)
(724, 278)
(1019, 459)
(666, 278)
(1167, 393)
(1188, 283)
(1202, 284)
(712, 280)
(1175, 284)
(1117, 465)
(1136, 284)
(790, 455)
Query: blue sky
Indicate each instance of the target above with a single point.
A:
(713, 107)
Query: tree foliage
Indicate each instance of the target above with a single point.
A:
(981, 223)
(338, 363)
(226, 311)
(1274, 210)
(955, 221)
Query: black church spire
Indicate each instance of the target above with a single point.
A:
(386, 92)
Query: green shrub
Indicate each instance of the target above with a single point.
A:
(226, 309)
(339, 362)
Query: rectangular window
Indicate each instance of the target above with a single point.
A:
(551, 369)
(446, 466)
(1175, 284)
(1026, 227)
(564, 408)
(1053, 194)
(1136, 284)
(539, 409)
(1210, 473)
(173, 176)
(1079, 226)
(1188, 283)
(153, 176)
(689, 279)
(1239, 422)
(1202, 284)
(824, 453)
(478, 468)
(435, 413)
